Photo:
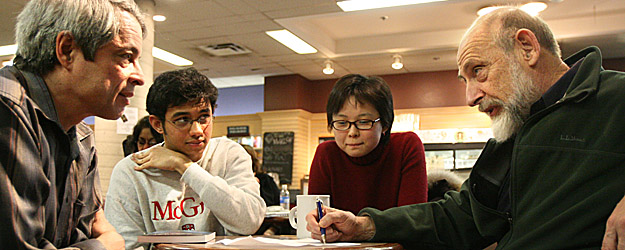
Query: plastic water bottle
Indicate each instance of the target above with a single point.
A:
(284, 198)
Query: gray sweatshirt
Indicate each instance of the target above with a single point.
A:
(217, 194)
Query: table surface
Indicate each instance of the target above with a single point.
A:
(364, 245)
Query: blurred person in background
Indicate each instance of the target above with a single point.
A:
(268, 188)
(440, 182)
(270, 192)
(143, 136)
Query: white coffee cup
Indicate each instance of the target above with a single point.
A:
(305, 204)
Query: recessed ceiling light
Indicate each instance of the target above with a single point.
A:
(397, 62)
(291, 41)
(328, 69)
(159, 18)
(170, 57)
(354, 5)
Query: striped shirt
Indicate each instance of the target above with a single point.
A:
(49, 183)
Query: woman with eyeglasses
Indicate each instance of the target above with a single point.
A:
(366, 165)
(143, 136)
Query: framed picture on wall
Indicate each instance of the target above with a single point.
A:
(327, 138)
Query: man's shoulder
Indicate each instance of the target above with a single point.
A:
(328, 145)
(126, 165)
(83, 131)
(10, 87)
(612, 85)
(329, 150)
(220, 143)
(614, 75)
(222, 139)
(405, 136)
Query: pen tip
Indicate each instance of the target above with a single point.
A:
(323, 238)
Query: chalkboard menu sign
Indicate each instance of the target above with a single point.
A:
(278, 154)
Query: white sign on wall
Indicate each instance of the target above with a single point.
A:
(405, 122)
(132, 116)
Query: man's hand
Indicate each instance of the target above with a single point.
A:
(614, 237)
(161, 158)
(340, 225)
(103, 231)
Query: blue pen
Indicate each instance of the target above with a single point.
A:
(320, 213)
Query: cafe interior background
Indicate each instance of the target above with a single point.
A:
(267, 88)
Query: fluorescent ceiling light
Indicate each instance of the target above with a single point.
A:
(291, 41)
(354, 5)
(532, 8)
(238, 81)
(486, 10)
(159, 18)
(156, 52)
(8, 50)
(327, 68)
(170, 58)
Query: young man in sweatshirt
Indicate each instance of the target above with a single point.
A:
(190, 181)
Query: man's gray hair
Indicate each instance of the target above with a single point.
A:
(92, 23)
(510, 19)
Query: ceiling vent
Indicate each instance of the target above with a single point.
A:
(225, 49)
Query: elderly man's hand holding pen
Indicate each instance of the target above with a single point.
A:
(340, 225)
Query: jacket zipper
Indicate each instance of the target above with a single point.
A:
(530, 119)
(509, 216)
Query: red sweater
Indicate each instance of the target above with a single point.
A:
(391, 175)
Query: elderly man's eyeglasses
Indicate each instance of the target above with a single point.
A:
(342, 125)
(185, 123)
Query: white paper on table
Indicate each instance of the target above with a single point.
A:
(270, 242)
(190, 245)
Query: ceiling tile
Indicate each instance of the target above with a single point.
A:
(358, 42)
(272, 5)
(238, 7)
(303, 11)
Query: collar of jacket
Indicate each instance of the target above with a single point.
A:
(586, 81)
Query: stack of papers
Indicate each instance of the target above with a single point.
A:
(276, 211)
(277, 214)
(176, 236)
(270, 242)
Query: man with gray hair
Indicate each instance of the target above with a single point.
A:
(553, 174)
(74, 59)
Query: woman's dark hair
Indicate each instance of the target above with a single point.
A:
(129, 145)
(371, 89)
(141, 124)
(255, 162)
(179, 87)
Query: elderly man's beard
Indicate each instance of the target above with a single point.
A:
(514, 112)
